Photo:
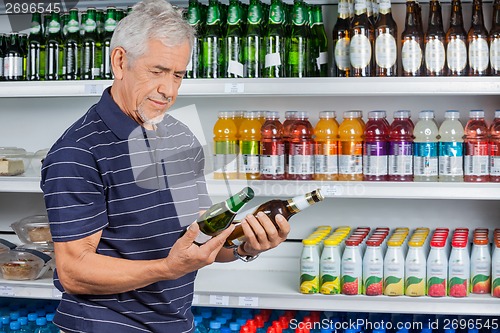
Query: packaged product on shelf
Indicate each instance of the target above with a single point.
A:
(272, 148)
(326, 147)
(476, 158)
(495, 265)
(480, 263)
(495, 148)
(437, 265)
(459, 266)
(373, 267)
(479, 52)
(415, 268)
(425, 159)
(225, 147)
(394, 264)
(352, 267)
(401, 147)
(330, 267)
(375, 147)
(33, 229)
(435, 53)
(23, 264)
(351, 132)
(309, 267)
(13, 161)
(249, 145)
(451, 148)
(301, 148)
(456, 41)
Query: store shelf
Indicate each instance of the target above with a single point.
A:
(391, 86)
(26, 184)
(42, 288)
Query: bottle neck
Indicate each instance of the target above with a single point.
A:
(477, 13)
(301, 202)
(456, 18)
(237, 201)
(435, 16)
(411, 15)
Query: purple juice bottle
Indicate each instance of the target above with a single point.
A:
(375, 166)
(401, 147)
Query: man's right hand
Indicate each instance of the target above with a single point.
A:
(186, 257)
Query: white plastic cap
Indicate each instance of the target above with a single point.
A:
(225, 114)
(401, 114)
(272, 115)
(327, 115)
(452, 114)
(497, 114)
(476, 114)
(251, 115)
(290, 114)
(377, 114)
(302, 115)
(352, 114)
(426, 114)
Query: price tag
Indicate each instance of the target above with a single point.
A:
(56, 293)
(331, 190)
(234, 88)
(219, 300)
(93, 89)
(7, 291)
(248, 301)
(196, 299)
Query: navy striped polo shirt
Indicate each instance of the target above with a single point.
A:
(141, 188)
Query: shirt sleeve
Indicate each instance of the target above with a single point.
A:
(73, 192)
(199, 169)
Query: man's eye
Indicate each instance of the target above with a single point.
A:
(156, 72)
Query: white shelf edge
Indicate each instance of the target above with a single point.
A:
(40, 289)
(371, 86)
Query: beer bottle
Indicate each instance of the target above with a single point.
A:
(456, 42)
(36, 49)
(119, 13)
(212, 43)
(13, 61)
(297, 49)
(99, 20)
(320, 45)
(477, 38)
(435, 55)
(375, 10)
(71, 63)
(287, 208)
(109, 27)
(494, 39)
(23, 44)
(82, 25)
(53, 47)
(194, 19)
(341, 38)
(412, 42)
(369, 12)
(219, 216)
(362, 42)
(2, 56)
(233, 42)
(386, 32)
(91, 67)
(253, 48)
(275, 41)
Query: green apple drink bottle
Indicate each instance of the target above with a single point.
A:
(253, 48)
(233, 42)
(274, 41)
(297, 44)
(212, 43)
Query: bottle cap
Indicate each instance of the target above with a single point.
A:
(394, 243)
(377, 114)
(327, 115)
(374, 242)
(215, 325)
(290, 114)
(438, 243)
(250, 115)
(352, 114)
(416, 243)
(481, 241)
(302, 115)
(452, 114)
(331, 242)
(309, 242)
(475, 114)
(402, 114)
(497, 113)
(352, 242)
(272, 115)
(459, 243)
(426, 114)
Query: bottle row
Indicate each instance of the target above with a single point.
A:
(254, 146)
(373, 263)
(21, 316)
(228, 320)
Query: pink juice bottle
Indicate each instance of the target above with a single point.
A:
(476, 159)
(375, 167)
(401, 147)
(301, 148)
(495, 149)
(272, 148)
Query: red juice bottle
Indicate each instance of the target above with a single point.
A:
(375, 167)
(272, 148)
(401, 147)
(289, 119)
(301, 149)
(495, 149)
(476, 159)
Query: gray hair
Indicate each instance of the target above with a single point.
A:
(151, 19)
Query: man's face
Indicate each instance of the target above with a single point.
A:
(151, 82)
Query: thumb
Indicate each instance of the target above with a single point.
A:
(192, 232)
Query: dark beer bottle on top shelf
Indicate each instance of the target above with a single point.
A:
(494, 40)
(287, 208)
(386, 32)
(435, 54)
(456, 42)
(477, 38)
(362, 42)
(341, 37)
(412, 42)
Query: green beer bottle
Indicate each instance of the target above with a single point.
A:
(220, 216)
(36, 49)
(71, 64)
(2, 56)
(274, 41)
(194, 18)
(109, 28)
(298, 42)
(320, 45)
(120, 13)
(53, 47)
(90, 67)
(213, 57)
(23, 44)
(13, 62)
(252, 53)
(233, 41)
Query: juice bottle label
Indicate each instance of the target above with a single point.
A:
(351, 158)
(458, 274)
(373, 272)
(494, 159)
(326, 159)
(225, 158)
(249, 157)
(351, 269)
(375, 159)
(476, 160)
(394, 271)
(415, 272)
(426, 158)
(451, 158)
(309, 270)
(301, 159)
(480, 269)
(401, 158)
(272, 158)
(330, 272)
(437, 273)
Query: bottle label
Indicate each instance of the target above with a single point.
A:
(309, 270)
(330, 273)
(235, 68)
(415, 274)
(276, 15)
(351, 158)
(13, 67)
(411, 56)
(435, 55)
(456, 53)
(254, 14)
(384, 6)
(233, 15)
(373, 271)
(35, 28)
(225, 163)
(495, 165)
(272, 59)
(479, 56)
(326, 164)
(272, 158)
(90, 25)
(193, 16)
(249, 158)
(109, 25)
(342, 57)
(495, 54)
(385, 50)
(426, 159)
(359, 7)
(476, 161)
(322, 59)
(299, 16)
(360, 51)
(400, 158)
(213, 16)
(343, 9)
(375, 159)
(451, 159)
(54, 27)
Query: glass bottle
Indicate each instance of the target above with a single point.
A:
(2, 55)
(362, 42)
(36, 50)
(274, 41)
(341, 39)
(386, 32)
(72, 47)
(194, 18)
(477, 38)
(456, 42)
(109, 27)
(254, 36)
(286, 208)
(91, 48)
(233, 41)
(52, 47)
(212, 43)
(13, 62)
(298, 43)
(412, 40)
(435, 54)
(220, 216)
(494, 40)
(320, 46)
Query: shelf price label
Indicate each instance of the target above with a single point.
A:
(331, 190)
(234, 88)
(248, 301)
(7, 291)
(94, 89)
(219, 300)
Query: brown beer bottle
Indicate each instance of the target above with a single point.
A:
(341, 40)
(477, 38)
(362, 42)
(494, 39)
(386, 52)
(287, 208)
(412, 41)
(435, 53)
(456, 42)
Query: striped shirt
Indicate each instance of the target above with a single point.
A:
(140, 188)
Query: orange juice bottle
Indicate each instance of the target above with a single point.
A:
(326, 147)
(249, 139)
(225, 147)
(351, 147)
(238, 116)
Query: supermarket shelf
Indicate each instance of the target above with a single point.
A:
(392, 86)
(22, 183)
(41, 289)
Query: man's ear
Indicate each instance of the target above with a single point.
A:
(118, 61)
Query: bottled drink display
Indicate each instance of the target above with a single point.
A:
(451, 151)
(219, 216)
(351, 131)
(301, 148)
(253, 44)
(434, 39)
(109, 27)
(274, 41)
(72, 47)
(213, 56)
(297, 48)
(401, 147)
(249, 145)
(425, 161)
(194, 18)
(272, 148)
(375, 149)
(412, 39)
(494, 40)
(386, 34)
(476, 157)
(35, 69)
(477, 39)
(13, 59)
(326, 147)
(494, 149)
(456, 41)
(286, 208)
(52, 47)
(362, 41)
(341, 39)
(225, 147)
(319, 44)
(233, 42)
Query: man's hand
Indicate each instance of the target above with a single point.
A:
(262, 234)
